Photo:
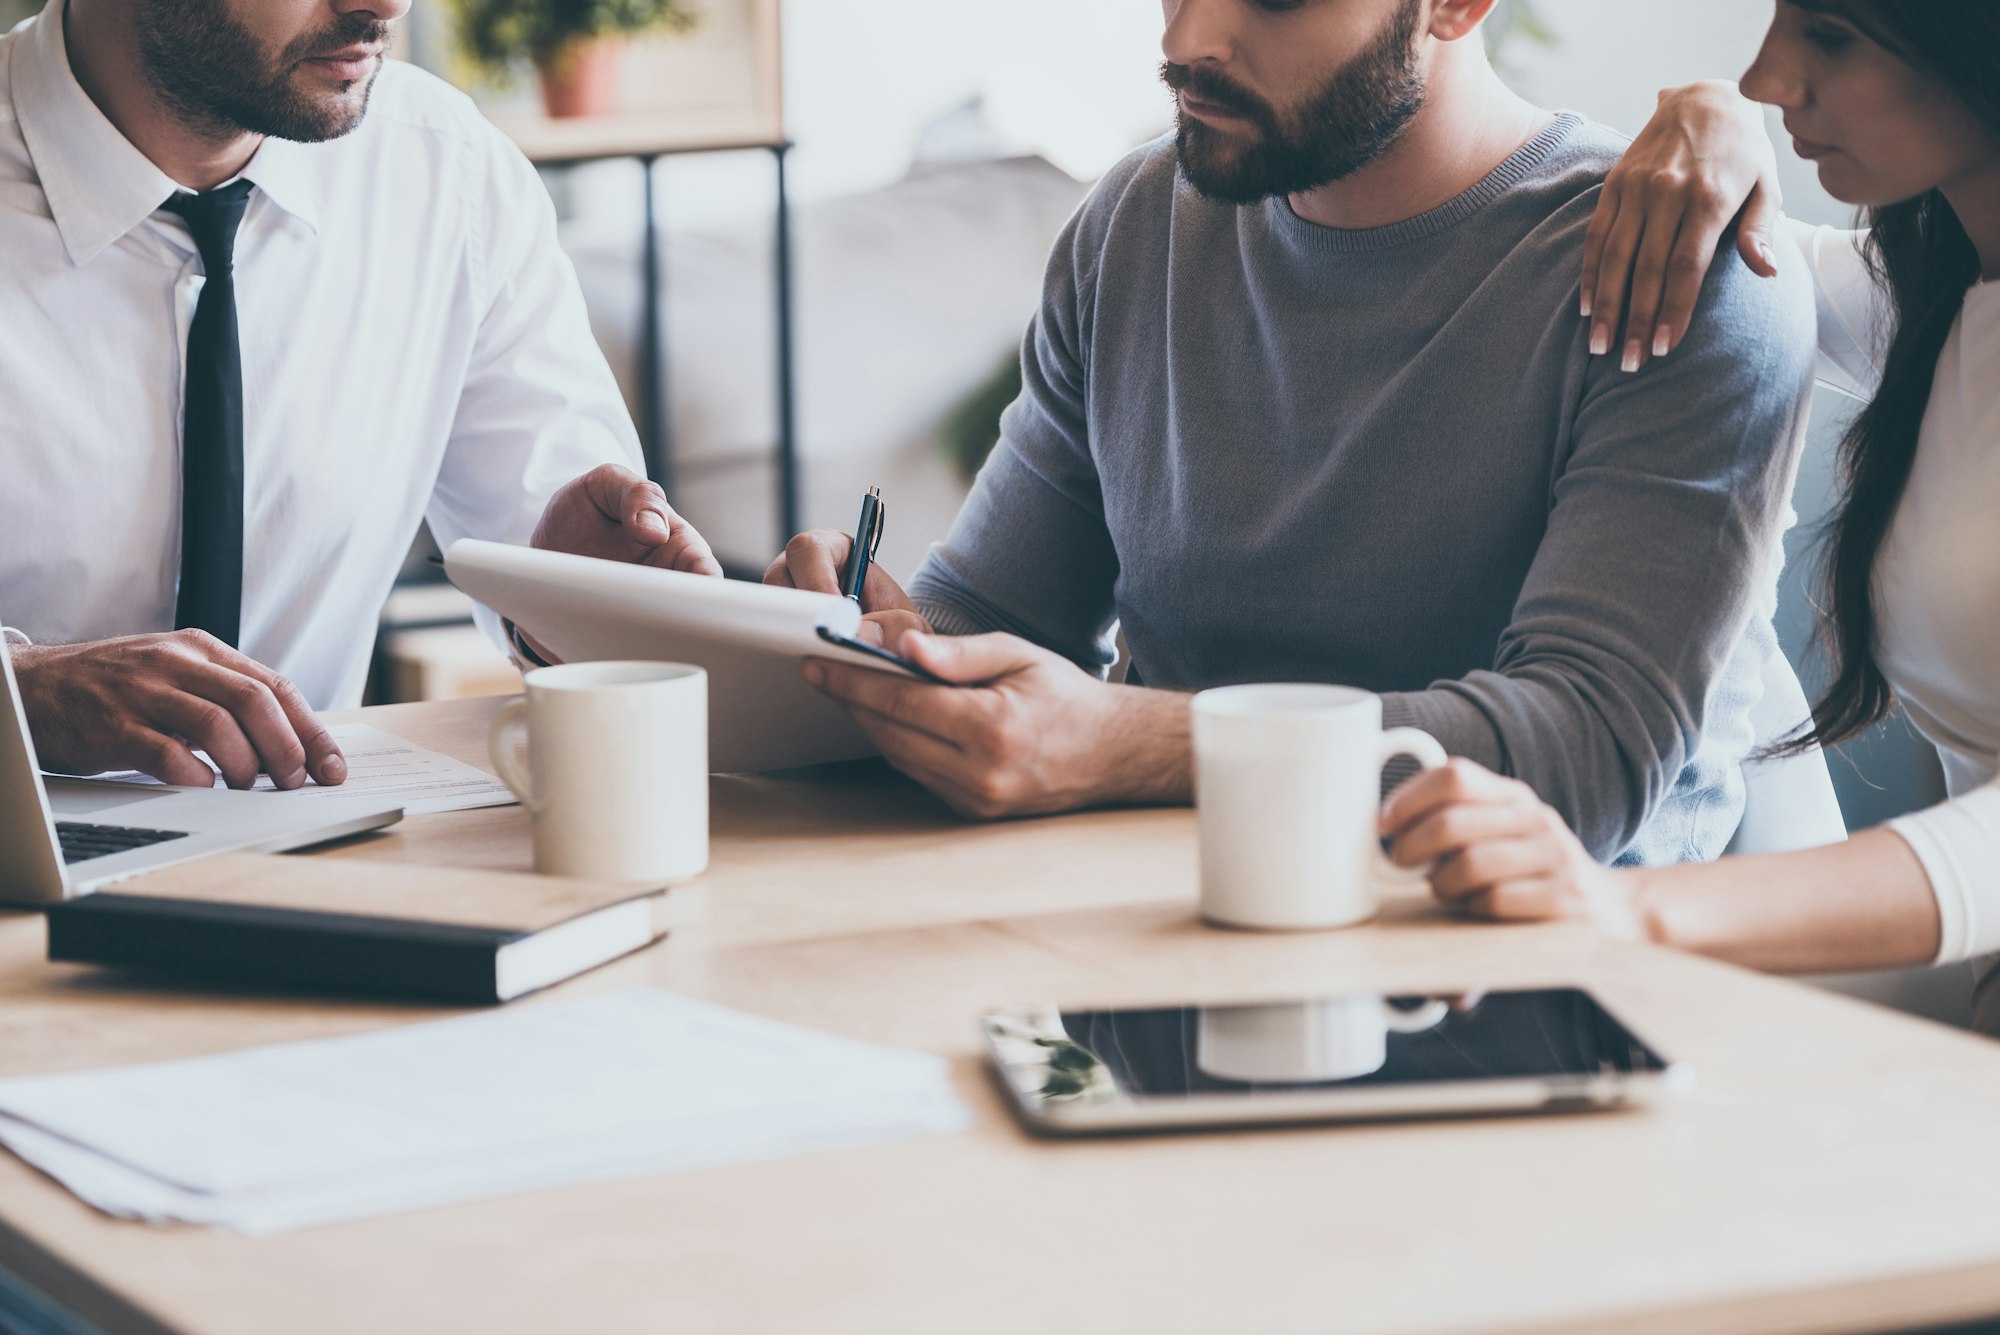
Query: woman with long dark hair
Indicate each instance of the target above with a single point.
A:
(1898, 104)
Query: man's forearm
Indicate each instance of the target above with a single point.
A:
(1148, 747)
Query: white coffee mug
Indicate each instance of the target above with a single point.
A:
(616, 772)
(1287, 790)
(1340, 1038)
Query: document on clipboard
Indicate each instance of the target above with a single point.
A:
(751, 638)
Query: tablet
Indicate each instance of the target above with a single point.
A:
(1356, 1057)
(751, 638)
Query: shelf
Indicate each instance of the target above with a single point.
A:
(548, 142)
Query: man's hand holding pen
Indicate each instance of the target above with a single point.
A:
(1023, 732)
(814, 561)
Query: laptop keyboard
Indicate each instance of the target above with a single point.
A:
(81, 843)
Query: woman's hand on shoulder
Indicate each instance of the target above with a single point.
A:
(1703, 161)
(1496, 851)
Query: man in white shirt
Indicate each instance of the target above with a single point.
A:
(267, 303)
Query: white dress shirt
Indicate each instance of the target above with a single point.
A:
(1937, 579)
(414, 345)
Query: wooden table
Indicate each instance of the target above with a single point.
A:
(1835, 1170)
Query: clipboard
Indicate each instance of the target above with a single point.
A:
(751, 638)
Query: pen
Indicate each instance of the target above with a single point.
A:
(867, 537)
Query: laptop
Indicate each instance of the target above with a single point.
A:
(65, 837)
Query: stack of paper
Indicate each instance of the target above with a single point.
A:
(296, 1134)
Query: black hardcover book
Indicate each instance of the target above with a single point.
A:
(335, 925)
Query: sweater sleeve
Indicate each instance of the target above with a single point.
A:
(1030, 553)
(1631, 639)
(1958, 843)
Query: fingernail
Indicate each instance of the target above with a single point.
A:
(871, 632)
(1770, 257)
(293, 780)
(335, 769)
(1586, 305)
(651, 522)
(1632, 354)
(1600, 341)
(1663, 341)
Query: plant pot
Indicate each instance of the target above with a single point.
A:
(582, 78)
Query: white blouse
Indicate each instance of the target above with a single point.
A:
(1937, 579)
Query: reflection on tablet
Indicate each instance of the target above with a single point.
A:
(1361, 1055)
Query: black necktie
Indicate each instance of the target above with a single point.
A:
(211, 587)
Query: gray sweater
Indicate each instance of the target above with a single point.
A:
(1273, 451)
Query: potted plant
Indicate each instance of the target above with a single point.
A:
(577, 46)
(1516, 18)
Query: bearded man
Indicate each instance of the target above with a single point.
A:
(1307, 399)
(266, 302)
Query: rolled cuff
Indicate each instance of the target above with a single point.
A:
(948, 620)
(1958, 843)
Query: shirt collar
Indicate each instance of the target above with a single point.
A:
(98, 184)
(283, 170)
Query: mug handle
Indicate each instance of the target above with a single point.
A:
(503, 743)
(1427, 1016)
(1429, 753)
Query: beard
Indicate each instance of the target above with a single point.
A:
(1356, 115)
(214, 74)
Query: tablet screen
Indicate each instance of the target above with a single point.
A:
(1349, 1041)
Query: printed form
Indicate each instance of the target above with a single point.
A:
(383, 766)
